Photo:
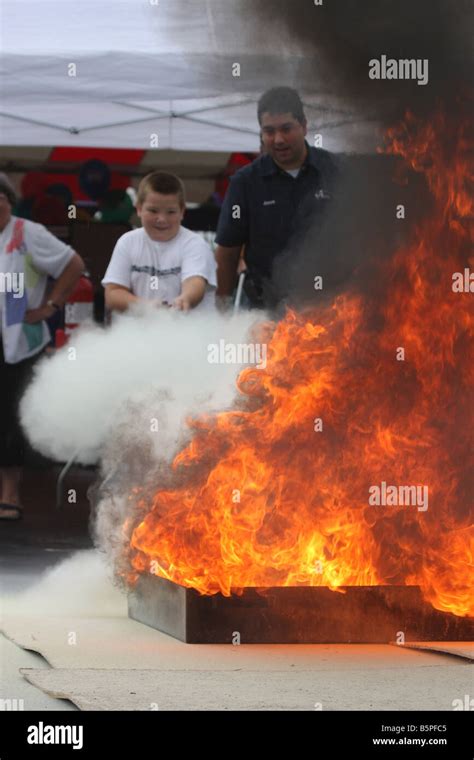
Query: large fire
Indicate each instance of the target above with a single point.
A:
(370, 391)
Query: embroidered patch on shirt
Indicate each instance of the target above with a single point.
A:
(322, 194)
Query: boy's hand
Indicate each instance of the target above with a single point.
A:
(182, 303)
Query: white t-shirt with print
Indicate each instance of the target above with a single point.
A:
(156, 270)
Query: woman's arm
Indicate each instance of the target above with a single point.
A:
(67, 280)
(62, 289)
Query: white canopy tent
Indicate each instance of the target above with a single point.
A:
(154, 74)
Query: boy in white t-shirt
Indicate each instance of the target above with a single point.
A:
(160, 261)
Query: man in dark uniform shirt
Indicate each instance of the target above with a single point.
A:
(272, 202)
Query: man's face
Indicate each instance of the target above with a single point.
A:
(161, 216)
(5, 211)
(283, 137)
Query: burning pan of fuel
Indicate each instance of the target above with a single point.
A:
(334, 501)
(298, 615)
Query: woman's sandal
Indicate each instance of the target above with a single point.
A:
(16, 513)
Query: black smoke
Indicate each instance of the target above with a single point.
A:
(346, 34)
(339, 38)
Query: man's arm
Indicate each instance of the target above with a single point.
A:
(232, 234)
(118, 298)
(227, 263)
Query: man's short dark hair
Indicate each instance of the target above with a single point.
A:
(281, 100)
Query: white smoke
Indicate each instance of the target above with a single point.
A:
(119, 397)
(80, 586)
(155, 361)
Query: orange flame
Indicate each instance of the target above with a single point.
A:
(268, 498)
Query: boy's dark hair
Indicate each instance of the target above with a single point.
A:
(281, 100)
(7, 189)
(161, 182)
